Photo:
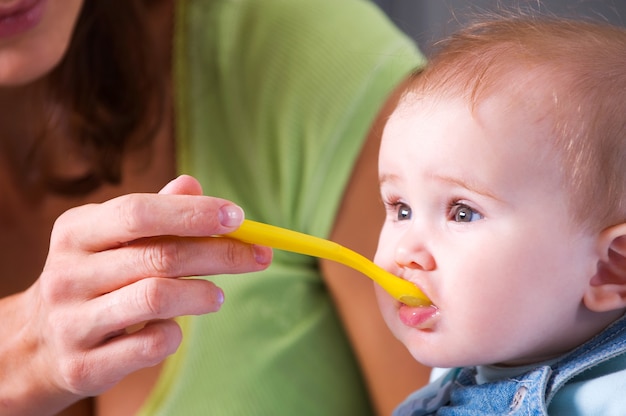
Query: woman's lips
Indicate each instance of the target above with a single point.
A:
(20, 17)
(420, 317)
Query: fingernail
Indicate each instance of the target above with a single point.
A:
(262, 255)
(220, 297)
(230, 215)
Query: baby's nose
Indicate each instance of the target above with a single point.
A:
(412, 252)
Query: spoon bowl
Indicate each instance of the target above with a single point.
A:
(253, 232)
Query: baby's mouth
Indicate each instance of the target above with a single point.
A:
(420, 317)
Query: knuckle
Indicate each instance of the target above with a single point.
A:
(62, 233)
(232, 254)
(130, 211)
(55, 284)
(152, 297)
(161, 258)
(75, 373)
(191, 217)
(156, 346)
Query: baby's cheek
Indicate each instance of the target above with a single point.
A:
(387, 306)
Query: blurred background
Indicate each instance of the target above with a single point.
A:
(428, 20)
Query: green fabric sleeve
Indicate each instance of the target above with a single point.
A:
(274, 100)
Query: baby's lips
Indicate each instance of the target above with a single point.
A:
(420, 317)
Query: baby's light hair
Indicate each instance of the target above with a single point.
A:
(578, 68)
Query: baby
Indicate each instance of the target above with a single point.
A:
(503, 173)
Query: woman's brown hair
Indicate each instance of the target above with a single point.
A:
(108, 89)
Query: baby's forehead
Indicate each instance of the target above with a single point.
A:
(496, 122)
(531, 96)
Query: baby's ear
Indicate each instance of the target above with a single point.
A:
(607, 288)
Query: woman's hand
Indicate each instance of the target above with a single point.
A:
(112, 267)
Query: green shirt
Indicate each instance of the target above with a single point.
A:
(274, 100)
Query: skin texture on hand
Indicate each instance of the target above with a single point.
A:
(112, 266)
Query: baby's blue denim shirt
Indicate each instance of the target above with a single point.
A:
(457, 394)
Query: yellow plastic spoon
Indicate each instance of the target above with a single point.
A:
(281, 238)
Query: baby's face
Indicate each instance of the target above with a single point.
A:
(478, 218)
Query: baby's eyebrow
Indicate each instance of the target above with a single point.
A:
(455, 180)
(387, 177)
(473, 187)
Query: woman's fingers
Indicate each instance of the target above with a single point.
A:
(106, 352)
(186, 256)
(147, 300)
(121, 263)
(88, 275)
(99, 248)
(99, 368)
(99, 227)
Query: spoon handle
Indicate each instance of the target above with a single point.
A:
(283, 239)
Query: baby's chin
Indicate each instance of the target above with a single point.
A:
(438, 354)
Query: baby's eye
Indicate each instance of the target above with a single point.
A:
(395, 207)
(404, 212)
(463, 213)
